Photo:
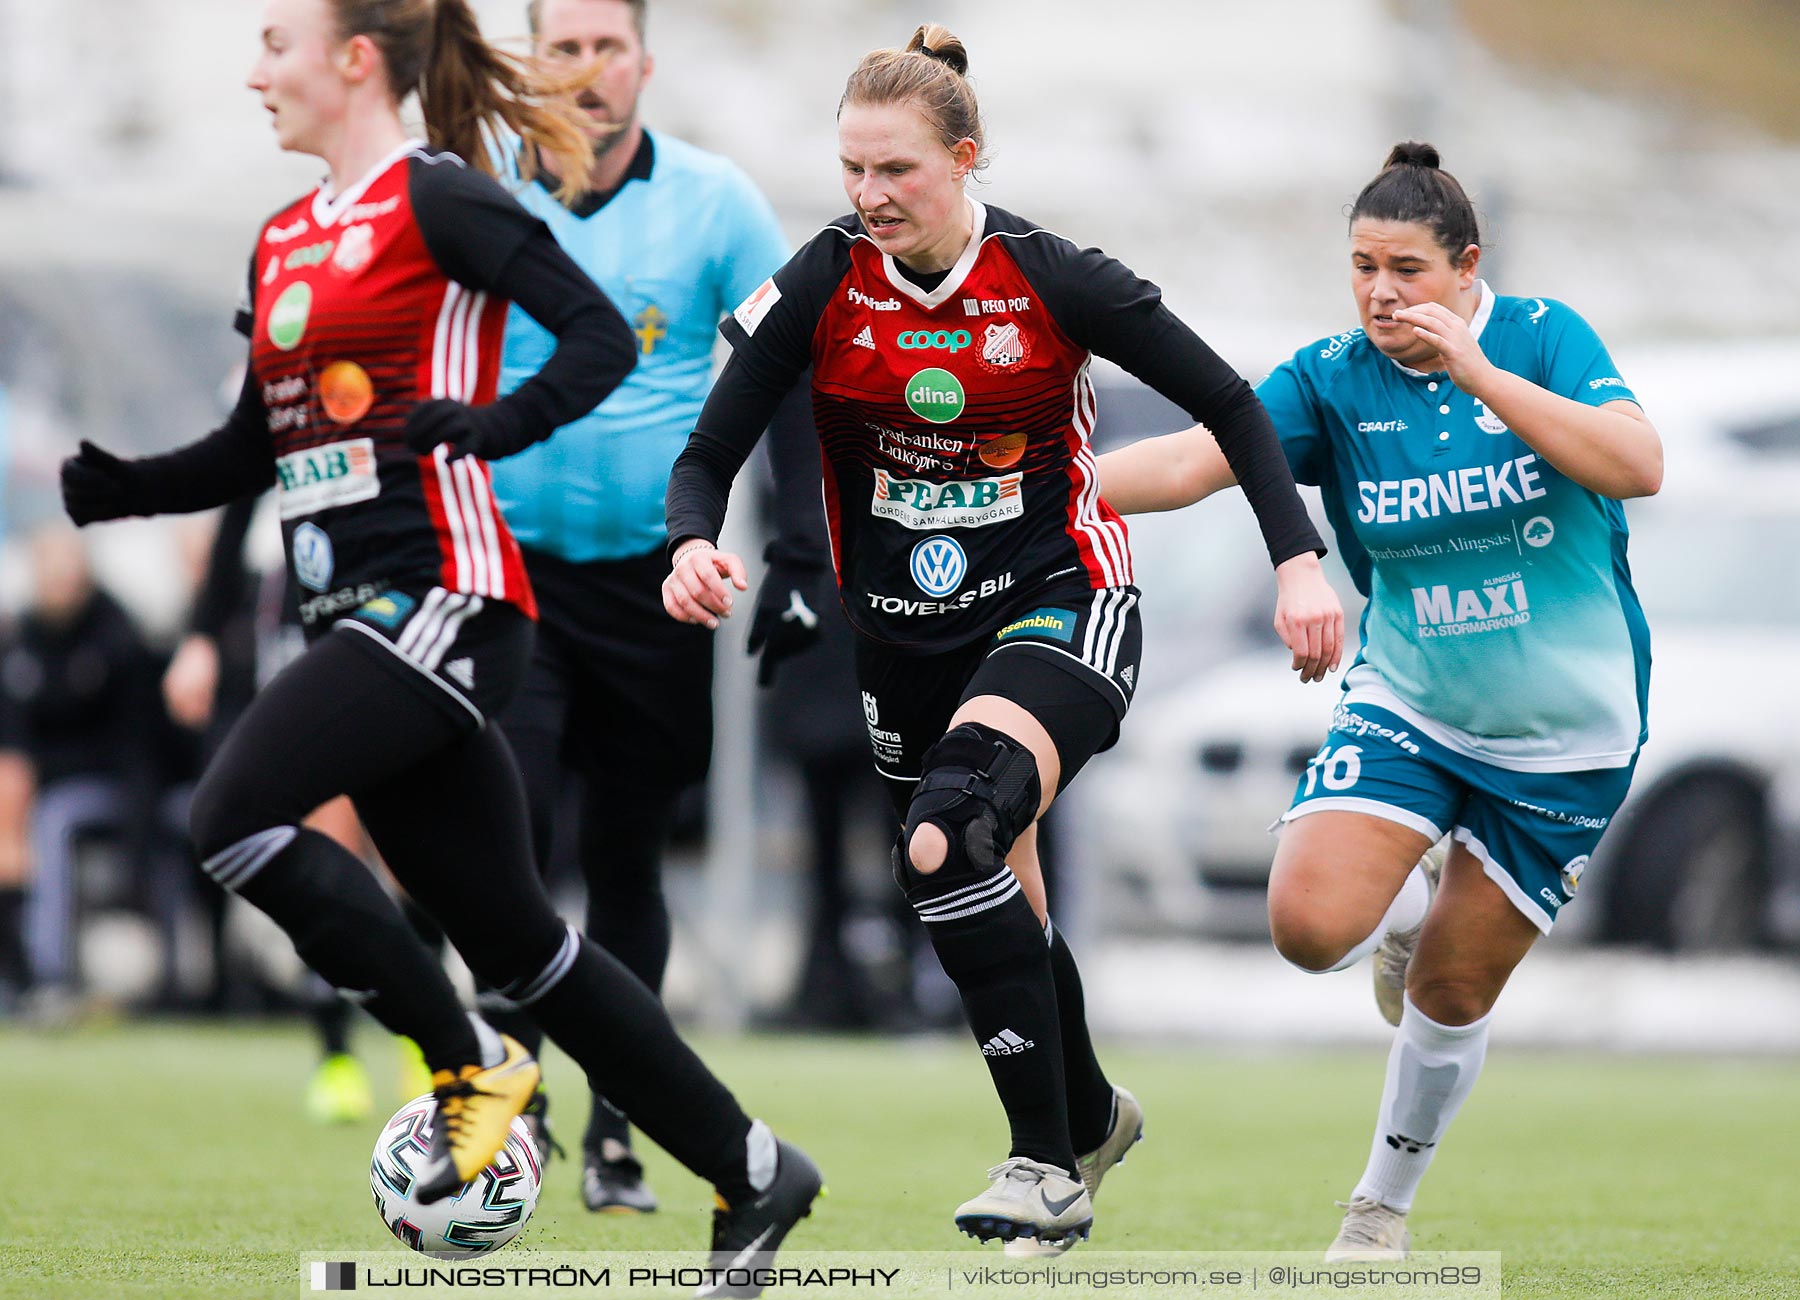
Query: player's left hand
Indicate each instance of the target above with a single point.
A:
(1309, 618)
(484, 431)
(1450, 334)
(786, 621)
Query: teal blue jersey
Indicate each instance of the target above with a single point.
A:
(685, 240)
(1501, 619)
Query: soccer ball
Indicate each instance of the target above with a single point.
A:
(489, 1211)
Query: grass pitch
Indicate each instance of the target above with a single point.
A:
(173, 1161)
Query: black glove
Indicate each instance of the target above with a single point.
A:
(98, 485)
(785, 622)
(490, 432)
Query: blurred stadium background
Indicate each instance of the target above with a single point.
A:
(1639, 159)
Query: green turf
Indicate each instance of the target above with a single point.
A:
(172, 1161)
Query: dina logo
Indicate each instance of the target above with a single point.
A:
(1538, 531)
(938, 565)
(287, 318)
(935, 395)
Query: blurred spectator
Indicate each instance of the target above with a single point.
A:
(79, 676)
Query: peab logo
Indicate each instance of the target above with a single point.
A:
(938, 565)
(935, 395)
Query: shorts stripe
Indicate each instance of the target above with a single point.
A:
(356, 625)
(1503, 878)
(1368, 807)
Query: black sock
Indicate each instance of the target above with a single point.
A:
(331, 1017)
(605, 1121)
(15, 967)
(1090, 1095)
(508, 1019)
(1000, 964)
(616, 1029)
(348, 930)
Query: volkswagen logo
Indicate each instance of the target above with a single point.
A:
(938, 565)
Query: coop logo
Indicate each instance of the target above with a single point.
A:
(1538, 531)
(971, 503)
(323, 478)
(935, 340)
(287, 318)
(311, 255)
(938, 565)
(333, 1277)
(935, 395)
(861, 299)
(1441, 611)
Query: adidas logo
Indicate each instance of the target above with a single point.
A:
(461, 670)
(866, 339)
(1130, 671)
(1007, 1043)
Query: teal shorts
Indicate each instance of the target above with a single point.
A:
(1532, 832)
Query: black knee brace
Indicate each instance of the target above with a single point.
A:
(980, 788)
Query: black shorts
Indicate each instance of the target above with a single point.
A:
(624, 690)
(1071, 661)
(465, 653)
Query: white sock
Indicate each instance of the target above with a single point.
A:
(493, 1051)
(760, 1155)
(1406, 911)
(1430, 1071)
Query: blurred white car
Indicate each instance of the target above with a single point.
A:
(1705, 853)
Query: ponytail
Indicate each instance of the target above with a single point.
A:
(1413, 187)
(931, 74)
(469, 91)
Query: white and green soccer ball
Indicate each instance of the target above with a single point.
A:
(491, 1209)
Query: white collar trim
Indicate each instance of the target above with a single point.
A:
(1483, 310)
(328, 207)
(958, 273)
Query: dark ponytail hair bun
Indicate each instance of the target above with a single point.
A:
(1413, 153)
(1412, 187)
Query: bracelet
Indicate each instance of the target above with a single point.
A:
(688, 547)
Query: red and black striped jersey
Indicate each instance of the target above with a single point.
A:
(954, 420)
(360, 305)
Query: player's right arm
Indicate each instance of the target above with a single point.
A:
(233, 460)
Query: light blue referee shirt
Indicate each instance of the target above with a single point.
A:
(1501, 619)
(685, 240)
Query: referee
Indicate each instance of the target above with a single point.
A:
(618, 695)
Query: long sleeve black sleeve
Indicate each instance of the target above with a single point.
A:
(1109, 310)
(738, 409)
(232, 461)
(799, 512)
(482, 238)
